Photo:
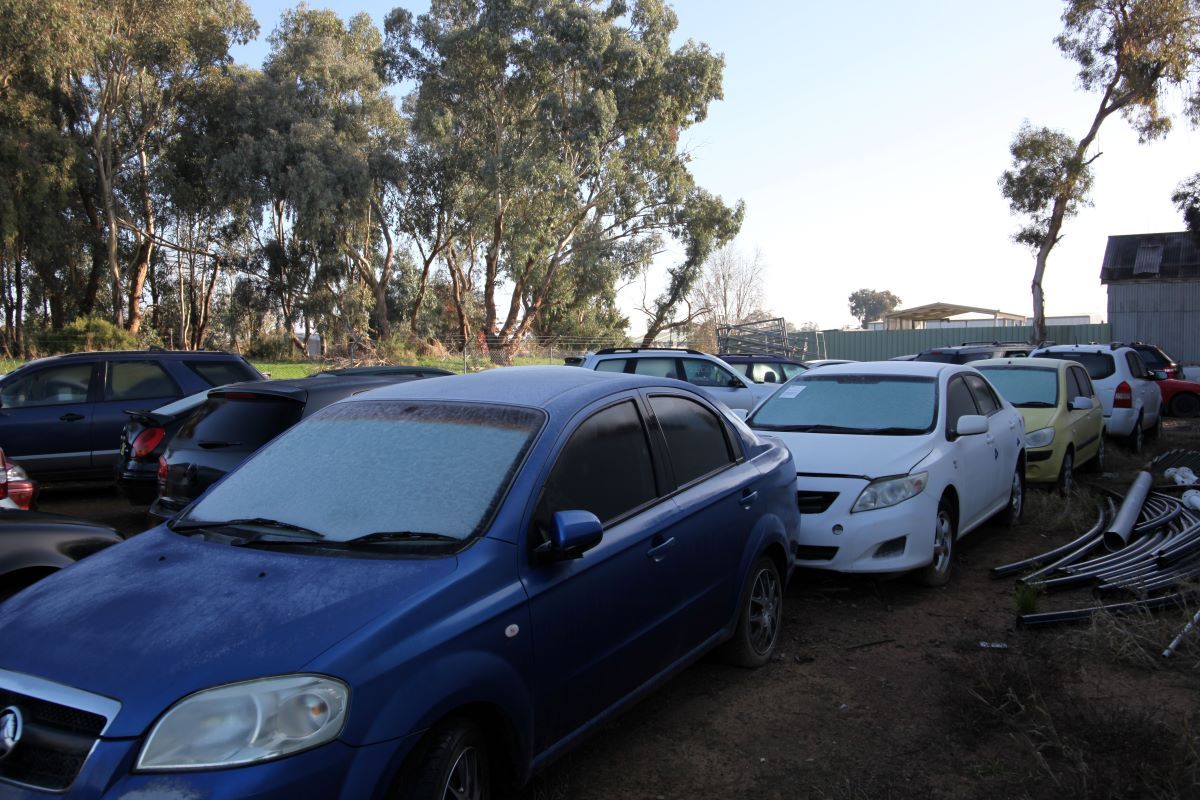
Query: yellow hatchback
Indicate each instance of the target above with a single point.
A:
(1064, 421)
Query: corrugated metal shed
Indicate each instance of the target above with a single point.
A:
(1150, 255)
(1154, 291)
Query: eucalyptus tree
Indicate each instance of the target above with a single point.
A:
(552, 127)
(1132, 53)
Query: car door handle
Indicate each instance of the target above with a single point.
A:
(71, 417)
(748, 498)
(659, 550)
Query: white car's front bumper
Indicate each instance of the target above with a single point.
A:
(894, 539)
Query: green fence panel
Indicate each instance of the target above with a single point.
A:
(879, 345)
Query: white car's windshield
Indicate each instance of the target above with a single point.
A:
(816, 402)
(1025, 387)
(403, 469)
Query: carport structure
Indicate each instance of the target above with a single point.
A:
(907, 319)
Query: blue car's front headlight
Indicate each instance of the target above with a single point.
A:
(247, 722)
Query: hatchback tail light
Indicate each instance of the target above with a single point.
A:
(16, 485)
(162, 470)
(145, 442)
(1123, 397)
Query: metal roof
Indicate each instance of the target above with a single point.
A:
(1151, 256)
(942, 311)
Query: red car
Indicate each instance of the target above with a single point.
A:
(1180, 398)
(16, 486)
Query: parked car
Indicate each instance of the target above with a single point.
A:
(144, 439)
(236, 420)
(825, 362)
(1128, 391)
(61, 416)
(1180, 398)
(1064, 420)
(34, 544)
(1156, 359)
(433, 589)
(17, 489)
(389, 369)
(718, 379)
(763, 368)
(974, 351)
(895, 461)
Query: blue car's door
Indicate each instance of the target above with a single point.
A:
(605, 623)
(718, 503)
(46, 417)
(133, 384)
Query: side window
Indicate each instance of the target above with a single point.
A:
(48, 387)
(604, 468)
(959, 402)
(219, 373)
(695, 438)
(1085, 383)
(985, 399)
(657, 367)
(1073, 388)
(766, 373)
(611, 365)
(743, 369)
(706, 373)
(136, 380)
(1136, 367)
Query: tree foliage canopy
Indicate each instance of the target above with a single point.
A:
(868, 305)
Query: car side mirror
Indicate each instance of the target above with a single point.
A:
(1158, 375)
(1082, 404)
(571, 534)
(971, 425)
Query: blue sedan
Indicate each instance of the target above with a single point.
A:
(429, 590)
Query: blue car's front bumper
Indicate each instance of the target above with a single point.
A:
(335, 770)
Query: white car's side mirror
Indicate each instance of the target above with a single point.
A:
(971, 424)
(1082, 404)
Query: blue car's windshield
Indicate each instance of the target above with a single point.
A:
(1025, 387)
(818, 402)
(399, 468)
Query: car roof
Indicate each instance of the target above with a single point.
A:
(314, 389)
(1082, 348)
(914, 368)
(1029, 363)
(540, 387)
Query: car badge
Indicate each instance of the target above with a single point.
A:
(12, 725)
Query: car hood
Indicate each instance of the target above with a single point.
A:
(161, 616)
(1038, 418)
(861, 456)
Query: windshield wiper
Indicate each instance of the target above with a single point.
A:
(894, 431)
(813, 429)
(1035, 404)
(297, 531)
(402, 536)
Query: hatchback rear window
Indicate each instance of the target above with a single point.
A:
(1098, 365)
(219, 373)
(246, 424)
(1154, 358)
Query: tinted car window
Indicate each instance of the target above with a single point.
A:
(219, 373)
(705, 373)
(822, 403)
(964, 358)
(657, 367)
(766, 373)
(1084, 383)
(134, 380)
(246, 423)
(605, 468)
(792, 370)
(984, 398)
(1098, 365)
(383, 467)
(49, 386)
(1153, 357)
(612, 365)
(939, 357)
(1074, 389)
(1136, 368)
(959, 402)
(695, 437)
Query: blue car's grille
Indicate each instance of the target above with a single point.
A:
(54, 743)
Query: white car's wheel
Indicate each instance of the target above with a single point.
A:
(938, 571)
(1136, 437)
(1011, 514)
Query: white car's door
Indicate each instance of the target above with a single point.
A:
(972, 457)
(1004, 436)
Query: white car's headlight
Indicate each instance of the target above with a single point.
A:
(242, 723)
(890, 491)
(1039, 438)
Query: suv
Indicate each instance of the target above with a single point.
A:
(62, 416)
(710, 373)
(764, 368)
(1156, 359)
(974, 351)
(1127, 389)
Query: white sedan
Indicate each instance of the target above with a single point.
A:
(895, 461)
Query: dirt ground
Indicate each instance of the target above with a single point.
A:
(882, 689)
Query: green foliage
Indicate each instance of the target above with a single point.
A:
(85, 333)
(1047, 166)
(1187, 199)
(270, 347)
(867, 305)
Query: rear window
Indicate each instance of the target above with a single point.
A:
(945, 357)
(1154, 358)
(247, 424)
(1098, 365)
(219, 373)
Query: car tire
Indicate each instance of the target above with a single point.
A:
(1066, 473)
(1185, 405)
(1156, 431)
(451, 762)
(1096, 462)
(760, 613)
(1012, 512)
(1136, 437)
(944, 533)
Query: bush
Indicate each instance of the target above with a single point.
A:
(85, 333)
(272, 347)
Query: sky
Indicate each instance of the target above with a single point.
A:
(866, 140)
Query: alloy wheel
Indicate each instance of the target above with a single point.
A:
(465, 781)
(943, 541)
(1016, 497)
(766, 602)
